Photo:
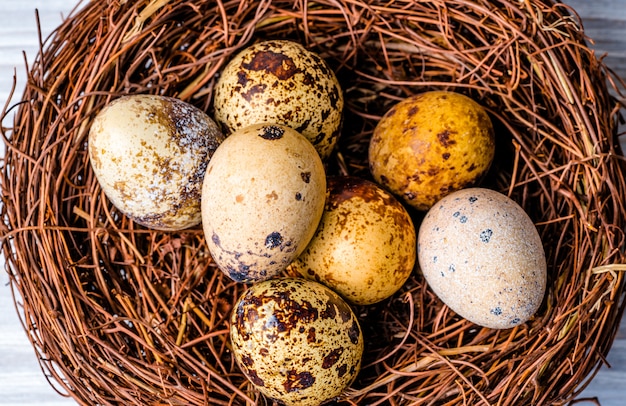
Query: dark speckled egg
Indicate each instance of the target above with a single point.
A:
(281, 82)
(296, 340)
(482, 255)
(262, 199)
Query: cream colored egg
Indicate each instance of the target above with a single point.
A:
(482, 255)
(280, 81)
(365, 246)
(262, 199)
(149, 154)
(296, 340)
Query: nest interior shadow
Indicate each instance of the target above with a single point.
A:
(124, 315)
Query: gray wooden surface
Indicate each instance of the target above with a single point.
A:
(21, 380)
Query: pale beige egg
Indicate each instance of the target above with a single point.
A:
(296, 340)
(280, 81)
(149, 154)
(262, 199)
(365, 246)
(482, 255)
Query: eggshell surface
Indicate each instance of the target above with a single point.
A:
(279, 81)
(149, 154)
(296, 340)
(262, 199)
(482, 255)
(431, 144)
(365, 246)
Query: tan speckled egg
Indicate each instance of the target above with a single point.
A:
(262, 199)
(431, 144)
(482, 255)
(149, 154)
(281, 82)
(365, 246)
(296, 340)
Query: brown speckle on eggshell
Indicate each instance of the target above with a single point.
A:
(296, 340)
(280, 81)
(149, 154)
(482, 255)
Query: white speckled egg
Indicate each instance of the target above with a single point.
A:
(149, 154)
(296, 340)
(281, 82)
(262, 199)
(365, 246)
(482, 255)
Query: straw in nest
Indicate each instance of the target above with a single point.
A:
(119, 314)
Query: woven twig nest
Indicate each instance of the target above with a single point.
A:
(120, 314)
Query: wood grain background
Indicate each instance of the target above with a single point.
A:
(21, 380)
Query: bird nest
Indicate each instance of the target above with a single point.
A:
(120, 314)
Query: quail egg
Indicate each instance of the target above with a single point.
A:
(149, 154)
(296, 340)
(280, 81)
(365, 245)
(482, 255)
(262, 199)
(431, 144)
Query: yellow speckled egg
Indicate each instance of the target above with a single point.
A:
(296, 340)
(431, 144)
(280, 81)
(262, 199)
(365, 246)
(482, 255)
(149, 154)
